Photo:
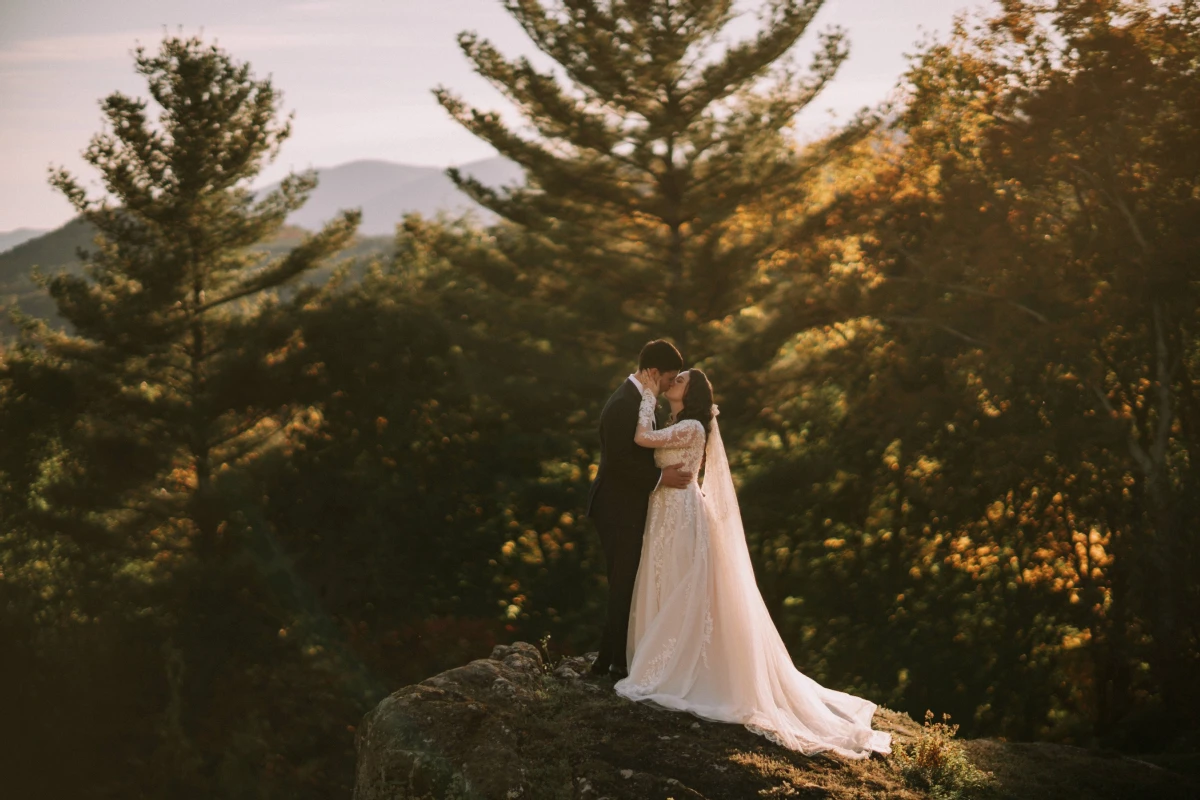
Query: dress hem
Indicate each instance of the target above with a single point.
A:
(879, 741)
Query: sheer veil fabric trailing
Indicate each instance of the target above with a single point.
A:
(700, 637)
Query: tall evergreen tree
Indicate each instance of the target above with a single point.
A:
(143, 593)
(640, 156)
(176, 328)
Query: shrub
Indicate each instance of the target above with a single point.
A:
(938, 764)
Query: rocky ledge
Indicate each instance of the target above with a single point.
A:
(508, 727)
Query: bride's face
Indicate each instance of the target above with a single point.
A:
(678, 388)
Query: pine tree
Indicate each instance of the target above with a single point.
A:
(637, 167)
(176, 327)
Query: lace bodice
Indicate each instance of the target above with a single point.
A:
(690, 451)
(682, 442)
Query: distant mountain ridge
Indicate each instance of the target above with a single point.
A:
(10, 239)
(386, 191)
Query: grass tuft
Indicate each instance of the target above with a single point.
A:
(937, 763)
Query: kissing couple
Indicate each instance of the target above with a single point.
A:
(687, 628)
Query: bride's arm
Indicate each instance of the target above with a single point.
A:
(646, 436)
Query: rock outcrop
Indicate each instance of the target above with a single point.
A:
(508, 727)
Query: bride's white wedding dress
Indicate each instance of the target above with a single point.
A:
(700, 636)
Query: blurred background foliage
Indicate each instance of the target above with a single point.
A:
(253, 479)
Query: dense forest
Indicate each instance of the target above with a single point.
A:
(955, 343)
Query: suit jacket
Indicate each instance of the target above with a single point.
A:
(627, 473)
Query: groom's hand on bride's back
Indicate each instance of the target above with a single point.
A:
(675, 477)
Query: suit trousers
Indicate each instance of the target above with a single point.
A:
(622, 542)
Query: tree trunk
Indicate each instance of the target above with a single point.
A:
(202, 499)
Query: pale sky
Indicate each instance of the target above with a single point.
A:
(357, 73)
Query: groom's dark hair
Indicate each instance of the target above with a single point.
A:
(660, 355)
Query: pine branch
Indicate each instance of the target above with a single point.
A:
(936, 324)
(556, 116)
(332, 238)
(747, 61)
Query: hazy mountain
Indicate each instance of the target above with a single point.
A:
(56, 251)
(10, 239)
(386, 191)
(52, 249)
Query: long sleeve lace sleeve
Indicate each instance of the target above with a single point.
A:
(673, 436)
(646, 412)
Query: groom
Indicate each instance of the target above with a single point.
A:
(621, 491)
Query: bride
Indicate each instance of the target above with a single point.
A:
(700, 637)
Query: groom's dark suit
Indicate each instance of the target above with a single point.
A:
(617, 506)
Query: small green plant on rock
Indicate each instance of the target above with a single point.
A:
(938, 764)
(549, 663)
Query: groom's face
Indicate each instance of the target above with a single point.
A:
(665, 379)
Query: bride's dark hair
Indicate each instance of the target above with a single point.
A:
(697, 400)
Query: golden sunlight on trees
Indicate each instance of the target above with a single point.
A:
(1008, 265)
(955, 347)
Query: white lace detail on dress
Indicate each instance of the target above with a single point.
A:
(646, 411)
(656, 667)
(659, 547)
(708, 630)
(682, 436)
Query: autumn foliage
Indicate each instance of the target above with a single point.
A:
(955, 347)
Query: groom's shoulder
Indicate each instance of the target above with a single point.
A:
(624, 389)
(622, 394)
